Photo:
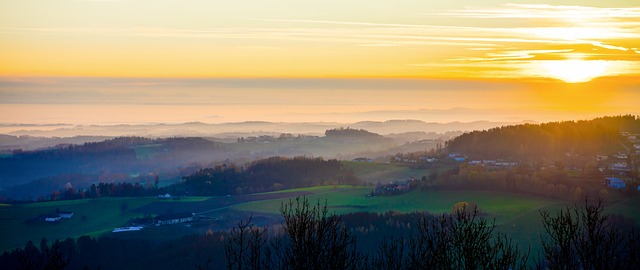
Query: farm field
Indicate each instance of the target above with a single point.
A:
(19, 224)
(516, 215)
(374, 171)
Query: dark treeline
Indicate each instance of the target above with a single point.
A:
(534, 142)
(578, 237)
(550, 182)
(350, 132)
(269, 174)
(79, 186)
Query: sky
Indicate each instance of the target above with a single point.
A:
(160, 61)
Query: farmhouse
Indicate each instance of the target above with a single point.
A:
(176, 218)
(51, 217)
(615, 182)
(65, 214)
(393, 188)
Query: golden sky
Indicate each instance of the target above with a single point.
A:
(577, 58)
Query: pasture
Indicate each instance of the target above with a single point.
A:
(374, 171)
(515, 215)
(91, 217)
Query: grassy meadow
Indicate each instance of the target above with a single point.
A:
(374, 171)
(516, 215)
(19, 222)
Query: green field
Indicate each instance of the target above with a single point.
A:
(373, 172)
(102, 215)
(516, 215)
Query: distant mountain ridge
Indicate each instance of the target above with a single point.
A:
(199, 129)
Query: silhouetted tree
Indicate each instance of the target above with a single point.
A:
(584, 238)
(316, 240)
(460, 240)
(312, 239)
(245, 249)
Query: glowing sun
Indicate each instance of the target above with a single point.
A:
(575, 71)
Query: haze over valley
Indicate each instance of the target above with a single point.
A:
(287, 134)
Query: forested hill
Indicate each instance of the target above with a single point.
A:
(269, 174)
(549, 140)
(351, 133)
(126, 155)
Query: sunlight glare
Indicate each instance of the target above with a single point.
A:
(575, 71)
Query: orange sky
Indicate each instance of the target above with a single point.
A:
(75, 61)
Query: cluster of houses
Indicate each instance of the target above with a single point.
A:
(56, 216)
(175, 218)
(166, 219)
(393, 188)
(634, 139)
(615, 182)
(457, 157)
(620, 165)
(414, 160)
(494, 163)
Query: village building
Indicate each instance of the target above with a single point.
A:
(51, 217)
(615, 182)
(65, 214)
(392, 188)
(176, 218)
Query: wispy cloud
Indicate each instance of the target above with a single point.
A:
(591, 32)
(512, 55)
(545, 11)
(97, 0)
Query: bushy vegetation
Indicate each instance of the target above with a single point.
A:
(534, 142)
(31, 174)
(581, 237)
(350, 132)
(269, 174)
(585, 238)
(549, 182)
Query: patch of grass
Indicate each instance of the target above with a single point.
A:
(515, 215)
(629, 207)
(373, 172)
(187, 199)
(102, 215)
(319, 189)
(503, 205)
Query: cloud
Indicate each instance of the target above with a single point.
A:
(545, 11)
(97, 0)
(559, 30)
(512, 55)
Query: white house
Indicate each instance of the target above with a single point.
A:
(174, 218)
